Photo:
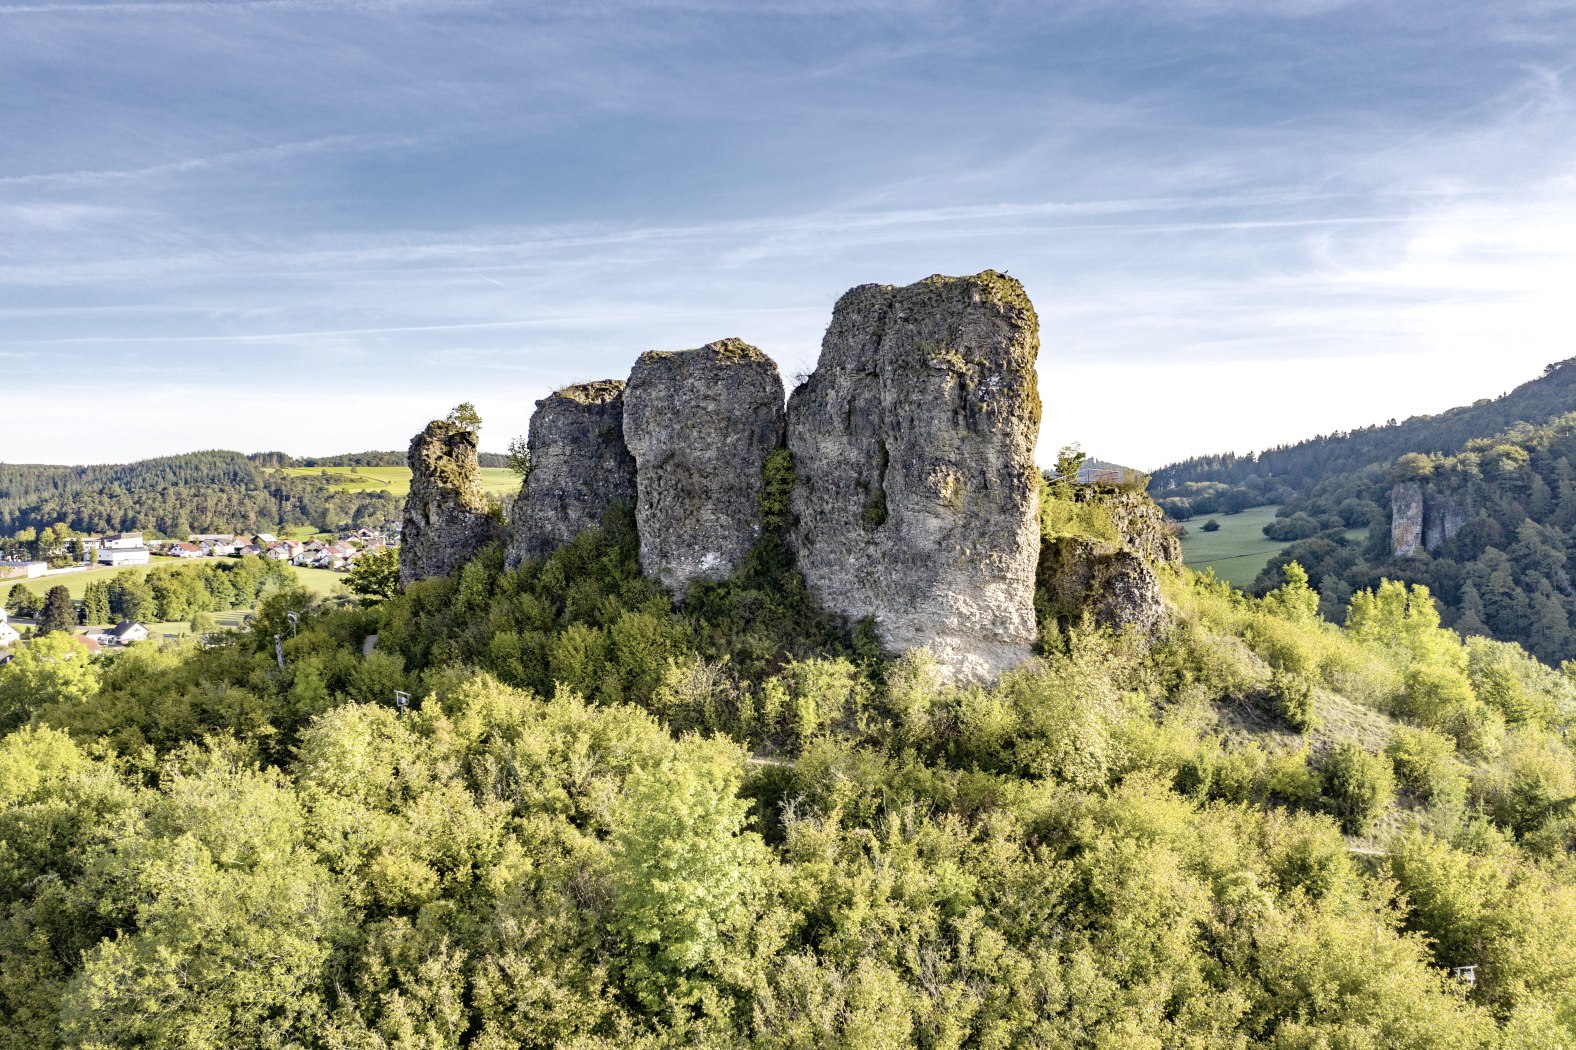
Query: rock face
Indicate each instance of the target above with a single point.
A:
(1142, 524)
(1406, 518)
(447, 518)
(1443, 517)
(699, 424)
(1116, 585)
(916, 495)
(580, 469)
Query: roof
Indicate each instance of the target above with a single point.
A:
(125, 627)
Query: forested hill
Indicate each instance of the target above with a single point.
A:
(1274, 475)
(359, 459)
(215, 490)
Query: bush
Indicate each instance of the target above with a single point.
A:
(1357, 787)
(1425, 762)
(1210, 526)
(1294, 701)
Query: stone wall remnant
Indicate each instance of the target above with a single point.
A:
(580, 469)
(699, 424)
(916, 500)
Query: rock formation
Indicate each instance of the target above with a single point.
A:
(447, 517)
(1423, 517)
(580, 469)
(1112, 579)
(699, 424)
(1406, 518)
(916, 494)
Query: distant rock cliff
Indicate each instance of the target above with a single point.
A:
(447, 517)
(700, 423)
(1423, 518)
(916, 499)
(580, 468)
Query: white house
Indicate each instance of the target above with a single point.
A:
(128, 631)
(122, 541)
(118, 556)
(184, 550)
(7, 632)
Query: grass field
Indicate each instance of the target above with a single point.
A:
(497, 481)
(1237, 551)
(318, 581)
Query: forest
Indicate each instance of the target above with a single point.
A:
(213, 491)
(604, 821)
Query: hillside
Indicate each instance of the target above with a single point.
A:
(1207, 484)
(213, 491)
(499, 482)
(609, 821)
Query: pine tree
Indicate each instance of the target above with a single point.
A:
(59, 613)
(95, 603)
(1470, 620)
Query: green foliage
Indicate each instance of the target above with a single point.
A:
(375, 575)
(1358, 786)
(465, 417)
(1294, 701)
(1425, 762)
(59, 612)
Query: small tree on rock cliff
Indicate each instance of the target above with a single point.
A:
(465, 417)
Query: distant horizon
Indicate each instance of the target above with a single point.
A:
(320, 223)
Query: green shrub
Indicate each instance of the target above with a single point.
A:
(1425, 762)
(1294, 701)
(1357, 787)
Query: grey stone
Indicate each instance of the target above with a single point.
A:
(580, 469)
(447, 515)
(1115, 585)
(1406, 518)
(699, 424)
(916, 495)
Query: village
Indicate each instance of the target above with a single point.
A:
(335, 553)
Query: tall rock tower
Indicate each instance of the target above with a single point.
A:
(580, 468)
(447, 518)
(700, 423)
(916, 499)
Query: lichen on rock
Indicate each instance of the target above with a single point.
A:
(700, 424)
(447, 515)
(580, 469)
(917, 496)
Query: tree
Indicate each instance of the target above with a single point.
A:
(375, 575)
(519, 457)
(1210, 526)
(465, 417)
(59, 613)
(1070, 460)
(20, 601)
(130, 596)
(95, 603)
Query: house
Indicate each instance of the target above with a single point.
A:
(17, 569)
(183, 550)
(249, 550)
(278, 552)
(90, 644)
(220, 546)
(127, 632)
(8, 634)
(122, 541)
(265, 539)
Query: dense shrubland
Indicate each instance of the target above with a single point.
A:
(607, 823)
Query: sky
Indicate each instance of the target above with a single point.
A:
(313, 225)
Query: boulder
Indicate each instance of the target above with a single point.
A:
(916, 494)
(580, 469)
(447, 515)
(699, 424)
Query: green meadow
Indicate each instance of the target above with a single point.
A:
(1237, 551)
(318, 581)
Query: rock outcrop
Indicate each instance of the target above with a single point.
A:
(580, 469)
(1406, 518)
(1108, 570)
(916, 494)
(447, 516)
(699, 424)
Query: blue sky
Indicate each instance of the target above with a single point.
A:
(314, 224)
